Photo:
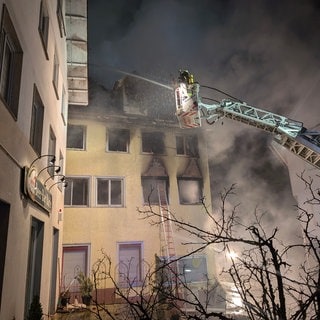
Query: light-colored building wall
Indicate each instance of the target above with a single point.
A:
(16, 153)
(105, 227)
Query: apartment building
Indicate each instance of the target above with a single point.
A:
(34, 94)
(125, 151)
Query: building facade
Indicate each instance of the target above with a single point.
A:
(126, 151)
(33, 123)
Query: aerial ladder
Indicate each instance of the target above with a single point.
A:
(291, 134)
(168, 249)
(167, 240)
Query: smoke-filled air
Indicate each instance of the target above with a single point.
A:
(266, 53)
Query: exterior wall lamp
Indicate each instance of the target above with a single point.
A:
(65, 184)
(55, 175)
(52, 161)
(51, 166)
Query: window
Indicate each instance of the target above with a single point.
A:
(75, 260)
(61, 165)
(34, 261)
(77, 192)
(118, 140)
(36, 122)
(4, 226)
(44, 26)
(53, 278)
(130, 263)
(187, 145)
(55, 77)
(190, 190)
(109, 192)
(76, 137)
(60, 17)
(64, 106)
(153, 142)
(10, 64)
(193, 269)
(152, 187)
(52, 151)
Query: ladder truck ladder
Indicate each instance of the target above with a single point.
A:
(167, 248)
(167, 240)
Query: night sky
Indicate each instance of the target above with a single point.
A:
(266, 53)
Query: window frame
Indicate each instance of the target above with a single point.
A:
(137, 281)
(116, 133)
(109, 179)
(55, 74)
(35, 253)
(43, 27)
(64, 106)
(10, 73)
(52, 151)
(85, 249)
(84, 136)
(60, 17)
(71, 180)
(36, 126)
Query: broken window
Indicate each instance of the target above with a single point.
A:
(153, 188)
(187, 145)
(190, 190)
(76, 137)
(109, 192)
(118, 140)
(153, 142)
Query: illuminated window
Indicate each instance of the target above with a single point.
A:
(153, 142)
(77, 192)
(193, 269)
(187, 145)
(109, 192)
(190, 190)
(76, 137)
(118, 140)
(36, 122)
(130, 263)
(44, 26)
(10, 64)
